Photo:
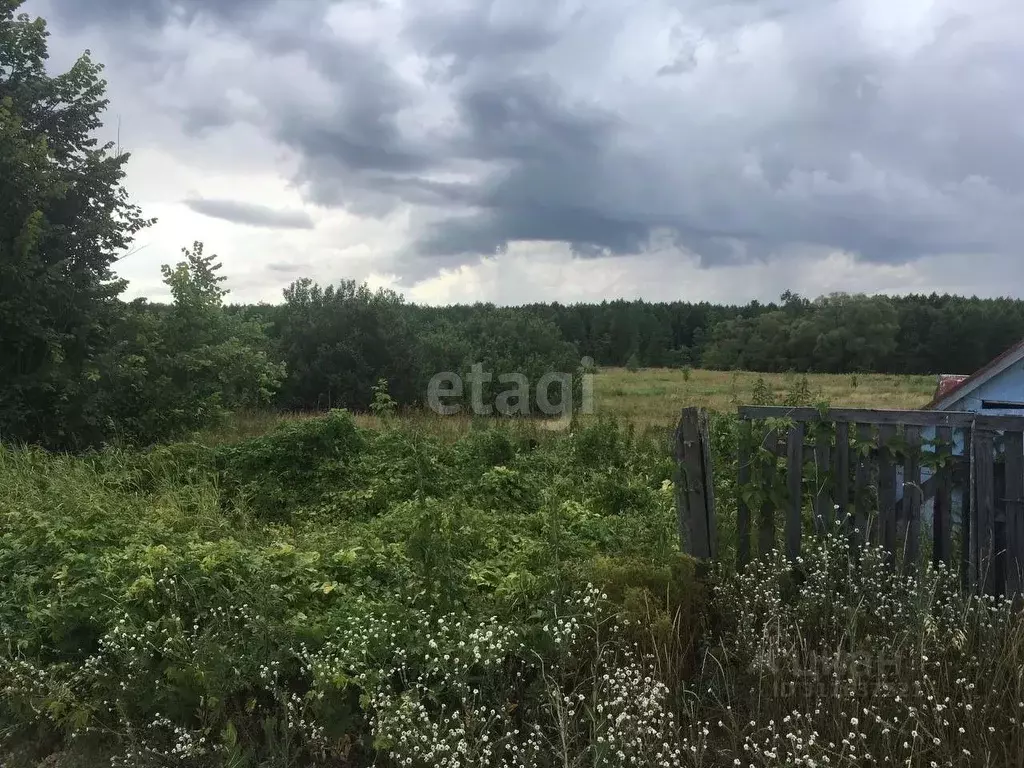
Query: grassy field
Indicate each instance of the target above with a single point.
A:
(653, 397)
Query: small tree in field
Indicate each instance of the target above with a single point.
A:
(633, 363)
(383, 403)
(210, 360)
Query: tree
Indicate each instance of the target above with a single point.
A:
(339, 340)
(855, 333)
(210, 361)
(64, 218)
(506, 342)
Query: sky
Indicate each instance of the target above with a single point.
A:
(568, 150)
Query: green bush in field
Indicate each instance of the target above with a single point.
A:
(291, 466)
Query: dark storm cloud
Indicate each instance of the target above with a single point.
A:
(743, 129)
(250, 214)
(152, 12)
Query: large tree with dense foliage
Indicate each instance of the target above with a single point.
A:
(337, 341)
(64, 219)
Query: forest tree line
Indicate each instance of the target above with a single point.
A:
(79, 367)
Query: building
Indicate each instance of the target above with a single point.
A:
(996, 389)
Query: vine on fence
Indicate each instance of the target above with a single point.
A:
(767, 484)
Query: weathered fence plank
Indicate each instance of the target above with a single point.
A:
(967, 522)
(694, 497)
(842, 473)
(887, 490)
(711, 523)
(742, 510)
(822, 498)
(962, 419)
(794, 484)
(1014, 450)
(766, 521)
(942, 514)
(983, 471)
(862, 488)
(912, 500)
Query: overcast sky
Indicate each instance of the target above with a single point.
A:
(577, 150)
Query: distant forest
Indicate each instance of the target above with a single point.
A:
(833, 334)
(335, 341)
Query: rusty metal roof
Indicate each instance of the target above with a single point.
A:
(951, 383)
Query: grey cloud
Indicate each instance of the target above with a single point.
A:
(153, 12)
(784, 123)
(250, 214)
(684, 62)
(458, 41)
(287, 267)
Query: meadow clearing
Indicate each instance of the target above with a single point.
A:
(652, 397)
(656, 395)
(325, 593)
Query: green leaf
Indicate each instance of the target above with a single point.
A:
(229, 735)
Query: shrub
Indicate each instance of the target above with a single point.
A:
(292, 466)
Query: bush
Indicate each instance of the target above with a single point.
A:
(292, 466)
(165, 602)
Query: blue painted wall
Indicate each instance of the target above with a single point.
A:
(1008, 385)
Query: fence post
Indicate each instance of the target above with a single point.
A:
(695, 499)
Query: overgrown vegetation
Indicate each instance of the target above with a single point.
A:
(495, 600)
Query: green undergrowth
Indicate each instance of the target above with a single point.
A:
(325, 595)
(146, 594)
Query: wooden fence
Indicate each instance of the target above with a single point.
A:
(872, 475)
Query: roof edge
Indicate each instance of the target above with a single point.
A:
(986, 373)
